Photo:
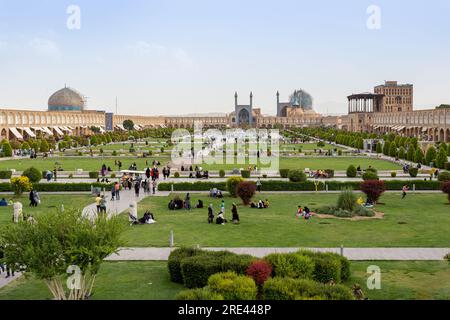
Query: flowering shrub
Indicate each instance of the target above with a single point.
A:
(260, 271)
(373, 189)
(246, 190)
(20, 185)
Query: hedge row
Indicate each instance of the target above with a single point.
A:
(59, 187)
(275, 185)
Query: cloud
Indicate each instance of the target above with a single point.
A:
(45, 48)
(160, 54)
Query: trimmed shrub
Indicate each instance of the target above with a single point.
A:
(176, 175)
(232, 286)
(232, 184)
(7, 149)
(297, 176)
(351, 171)
(33, 174)
(330, 173)
(373, 189)
(280, 289)
(290, 265)
(327, 269)
(413, 172)
(114, 153)
(444, 176)
(260, 271)
(336, 292)
(446, 189)
(5, 174)
(393, 174)
(236, 263)
(203, 294)
(174, 262)
(245, 174)
(197, 269)
(284, 173)
(246, 190)
(370, 175)
(93, 174)
(222, 173)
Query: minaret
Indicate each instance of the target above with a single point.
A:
(278, 103)
(251, 99)
(235, 99)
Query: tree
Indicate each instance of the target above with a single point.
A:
(129, 125)
(441, 158)
(60, 244)
(411, 152)
(386, 148)
(393, 152)
(402, 153)
(430, 155)
(25, 146)
(44, 146)
(7, 150)
(373, 189)
(418, 157)
(246, 190)
(379, 148)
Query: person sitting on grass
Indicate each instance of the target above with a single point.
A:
(266, 204)
(307, 214)
(219, 194)
(299, 212)
(360, 201)
(3, 203)
(235, 214)
(253, 205)
(260, 204)
(171, 205)
(199, 204)
(210, 214)
(220, 219)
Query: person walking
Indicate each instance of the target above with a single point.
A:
(258, 185)
(137, 187)
(154, 186)
(210, 214)
(187, 202)
(102, 204)
(98, 199)
(405, 190)
(113, 192)
(117, 190)
(235, 215)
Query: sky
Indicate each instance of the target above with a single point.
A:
(174, 57)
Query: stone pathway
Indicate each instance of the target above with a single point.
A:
(5, 281)
(355, 254)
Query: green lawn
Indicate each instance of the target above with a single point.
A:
(72, 164)
(94, 164)
(48, 202)
(147, 280)
(307, 147)
(422, 220)
(150, 281)
(406, 280)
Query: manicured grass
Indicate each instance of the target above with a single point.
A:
(147, 280)
(406, 280)
(72, 164)
(421, 220)
(94, 164)
(307, 147)
(48, 202)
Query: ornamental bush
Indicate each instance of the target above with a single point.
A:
(246, 190)
(7, 149)
(20, 185)
(373, 189)
(284, 173)
(203, 294)
(33, 174)
(232, 184)
(5, 174)
(345, 271)
(347, 200)
(290, 265)
(93, 174)
(196, 270)
(413, 172)
(351, 171)
(444, 176)
(370, 175)
(237, 263)
(446, 189)
(174, 262)
(260, 271)
(232, 286)
(222, 173)
(297, 176)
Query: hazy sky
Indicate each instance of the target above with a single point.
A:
(178, 56)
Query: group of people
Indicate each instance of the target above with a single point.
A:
(318, 174)
(304, 212)
(35, 200)
(220, 219)
(148, 218)
(215, 193)
(260, 204)
(100, 202)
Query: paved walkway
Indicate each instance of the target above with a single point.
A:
(5, 281)
(355, 254)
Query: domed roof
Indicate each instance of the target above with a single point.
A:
(66, 99)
